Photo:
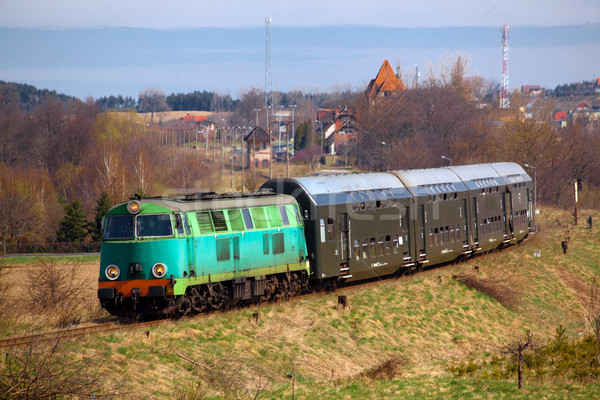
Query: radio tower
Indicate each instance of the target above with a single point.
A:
(268, 88)
(504, 95)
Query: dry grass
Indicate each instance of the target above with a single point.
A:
(44, 295)
(399, 330)
(495, 287)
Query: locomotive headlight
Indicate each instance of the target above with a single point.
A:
(159, 270)
(112, 272)
(133, 207)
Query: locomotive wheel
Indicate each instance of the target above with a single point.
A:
(219, 299)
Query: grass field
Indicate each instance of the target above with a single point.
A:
(399, 338)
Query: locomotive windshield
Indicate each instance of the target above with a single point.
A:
(122, 226)
(119, 227)
(158, 225)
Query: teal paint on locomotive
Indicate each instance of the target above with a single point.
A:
(197, 242)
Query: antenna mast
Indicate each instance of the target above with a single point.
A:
(504, 95)
(268, 89)
(268, 79)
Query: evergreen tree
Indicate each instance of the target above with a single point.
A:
(301, 139)
(103, 205)
(72, 226)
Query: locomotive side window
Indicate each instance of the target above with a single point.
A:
(274, 216)
(258, 215)
(284, 216)
(179, 224)
(156, 225)
(218, 219)
(205, 222)
(119, 227)
(235, 220)
(186, 224)
(247, 218)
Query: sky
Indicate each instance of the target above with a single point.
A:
(102, 47)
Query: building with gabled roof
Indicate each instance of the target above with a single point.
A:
(386, 83)
(258, 143)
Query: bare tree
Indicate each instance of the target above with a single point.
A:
(517, 349)
(592, 312)
(152, 100)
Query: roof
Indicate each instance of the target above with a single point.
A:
(257, 134)
(475, 172)
(560, 115)
(327, 184)
(386, 81)
(431, 176)
(529, 88)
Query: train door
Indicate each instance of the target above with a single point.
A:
(465, 222)
(405, 239)
(475, 222)
(421, 239)
(183, 228)
(235, 241)
(530, 209)
(343, 253)
(507, 204)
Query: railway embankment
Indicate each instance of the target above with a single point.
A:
(444, 332)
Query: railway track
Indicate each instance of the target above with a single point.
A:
(112, 326)
(71, 333)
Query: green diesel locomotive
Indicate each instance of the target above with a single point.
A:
(174, 255)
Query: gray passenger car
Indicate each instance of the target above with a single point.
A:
(360, 226)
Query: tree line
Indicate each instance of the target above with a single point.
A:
(61, 158)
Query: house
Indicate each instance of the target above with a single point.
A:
(531, 90)
(336, 127)
(258, 145)
(584, 115)
(186, 130)
(597, 85)
(560, 119)
(386, 83)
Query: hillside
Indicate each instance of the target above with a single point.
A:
(398, 338)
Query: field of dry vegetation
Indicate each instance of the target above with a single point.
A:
(441, 333)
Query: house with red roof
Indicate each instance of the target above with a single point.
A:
(386, 83)
(560, 119)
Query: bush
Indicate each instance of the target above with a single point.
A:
(47, 371)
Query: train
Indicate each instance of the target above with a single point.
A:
(174, 255)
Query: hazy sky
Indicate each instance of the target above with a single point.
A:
(97, 48)
(251, 13)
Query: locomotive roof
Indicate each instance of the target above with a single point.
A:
(180, 203)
